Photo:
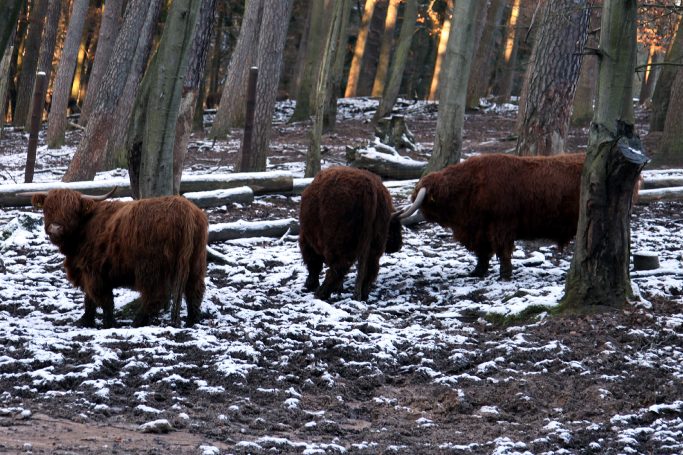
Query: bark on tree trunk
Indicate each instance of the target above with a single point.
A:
(230, 111)
(8, 20)
(587, 86)
(29, 63)
(337, 71)
(551, 76)
(270, 49)
(106, 129)
(109, 30)
(444, 37)
(662, 93)
(598, 277)
(385, 48)
(5, 65)
(398, 65)
(670, 150)
(509, 60)
(359, 49)
(453, 90)
(56, 123)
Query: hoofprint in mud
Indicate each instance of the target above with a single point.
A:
(416, 368)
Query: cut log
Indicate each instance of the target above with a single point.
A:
(650, 183)
(645, 260)
(385, 165)
(259, 182)
(660, 194)
(245, 229)
(203, 199)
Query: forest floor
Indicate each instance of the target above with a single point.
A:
(421, 367)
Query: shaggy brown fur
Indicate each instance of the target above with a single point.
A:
(490, 201)
(346, 215)
(156, 246)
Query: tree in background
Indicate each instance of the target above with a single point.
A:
(112, 14)
(231, 110)
(8, 19)
(510, 51)
(662, 91)
(453, 90)
(359, 49)
(153, 123)
(385, 48)
(65, 73)
(335, 82)
(444, 36)
(670, 150)
(551, 77)
(598, 276)
(106, 130)
(586, 87)
(398, 65)
(29, 63)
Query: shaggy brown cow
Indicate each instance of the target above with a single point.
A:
(490, 201)
(156, 246)
(346, 215)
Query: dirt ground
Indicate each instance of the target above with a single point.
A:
(391, 406)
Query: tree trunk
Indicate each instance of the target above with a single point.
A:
(8, 21)
(5, 66)
(56, 126)
(109, 30)
(359, 49)
(670, 150)
(552, 74)
(190, 90)
(385, 48)
(484, 60)
(329, 54)
(398, 65)
(598, 277)
(270, 48)
(651, 75)
(337, 71)
(662, 93)
(154, 122)
(444, 37)
(452, 95)
(509, 60)
(29, 63)
(586, 87)
(106, 129)
(230, 111)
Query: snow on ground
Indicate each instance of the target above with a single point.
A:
(423, 319)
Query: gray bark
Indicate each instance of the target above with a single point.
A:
(8, 20)
(662, 92)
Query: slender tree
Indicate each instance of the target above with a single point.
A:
(586, 87)
(109, 30)
(598, 276)
(36, 21)
(270, 49)
(551, 77)
(386, 47)
(106, 130)
(57, 120)
(453, 90)
(662, 92)
(5, 64)
(231, 109)
(9, 11)
(337, 70)
(670, 148)
(398, 65)
(153, 124)
(444, 37)
(359, 49)
(510, 50)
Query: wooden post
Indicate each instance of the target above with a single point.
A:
(245, 158)
(34, 125)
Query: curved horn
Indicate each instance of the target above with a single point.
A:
(421, 194)
(101, 197)
(32, 193)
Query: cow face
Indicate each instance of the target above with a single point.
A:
(395, 236)
(64, 211)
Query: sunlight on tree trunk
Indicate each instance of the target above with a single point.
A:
(385, 49)
(440, 54)
(670, 151)
(662, 93)
(359, 50)
(509, 55)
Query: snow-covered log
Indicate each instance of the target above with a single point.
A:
(384, 164)
(660, 194)
(259, 182)
(650, 183)
(242, 194)
(245, 229)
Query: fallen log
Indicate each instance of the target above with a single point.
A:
(384, 164)
(203, 199)
(259, 182)
(247, 229)
(650, 183)
(660, 194)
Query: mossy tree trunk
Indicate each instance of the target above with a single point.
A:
(598, 278)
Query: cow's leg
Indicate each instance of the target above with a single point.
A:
(314, 264)
(88, 318)
(483, 258)
(505, 257)
(194, 293)
(334, 280)
(364, 281)
(107, 304)
(152, 302)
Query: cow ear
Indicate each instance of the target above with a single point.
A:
(88, 205)
(37, 200)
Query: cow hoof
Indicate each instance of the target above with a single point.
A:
(478, 273)
(311, 284)
(86, 322)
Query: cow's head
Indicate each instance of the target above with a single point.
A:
(64, 211)
(395, 235)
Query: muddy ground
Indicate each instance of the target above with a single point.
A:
(590, 384)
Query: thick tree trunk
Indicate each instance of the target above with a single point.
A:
(29, 62)
(444, 37)
(359, 49)
(107, 126)
(398, 65)
(270, 50)
(385, 49)
(153, 126)
(552, 75)
(231, 109)
(662, 93)
(453, 92)
(109, 30)
(598, 277)
(670, 150)
(57, 121)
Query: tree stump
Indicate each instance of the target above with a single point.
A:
(394, 132)
(645, 260)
